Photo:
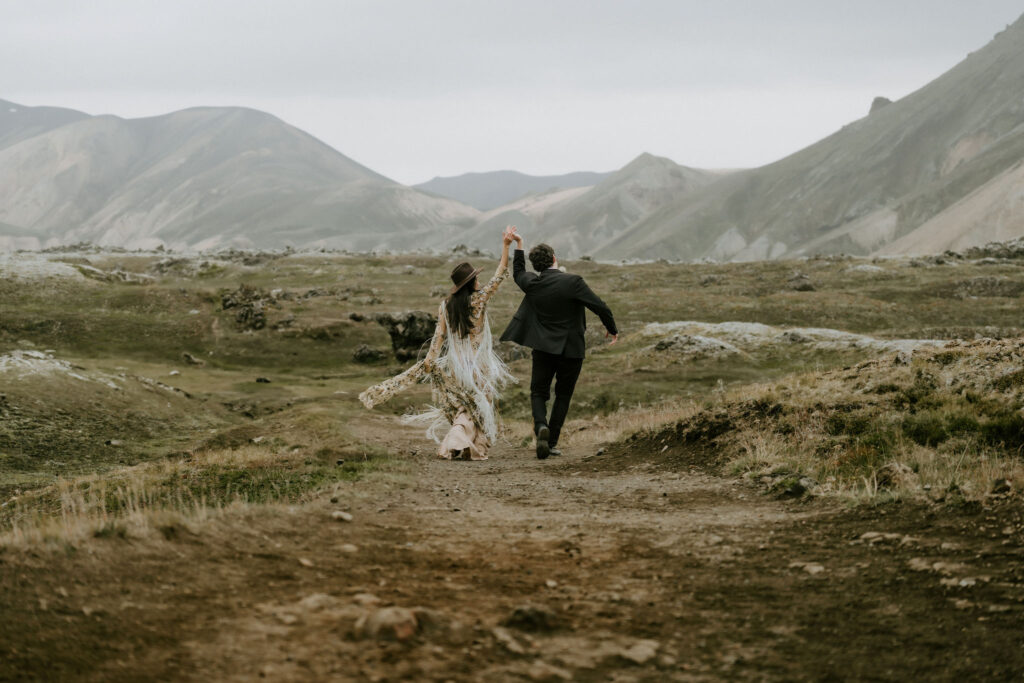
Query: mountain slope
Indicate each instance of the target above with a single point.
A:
(487, 191)
(577, 222)
(874, 182)
(18, 122)
(205, 177)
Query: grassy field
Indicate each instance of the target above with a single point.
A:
(286, 391)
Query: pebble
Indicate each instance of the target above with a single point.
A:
(348, 548)
(531, 618)
(642, 651)
(507, 640)
(305, 562)
(366, 599)
(341, 516)
(550, 583)
(388, 623)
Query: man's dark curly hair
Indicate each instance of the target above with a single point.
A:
(542, 257)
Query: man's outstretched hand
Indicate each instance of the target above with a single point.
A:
(614, 337)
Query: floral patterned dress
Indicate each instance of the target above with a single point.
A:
(466, 377)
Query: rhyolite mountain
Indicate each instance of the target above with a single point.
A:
(492, 189)
(942, 168)
(198, 178)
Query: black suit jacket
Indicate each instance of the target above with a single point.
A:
(552, 317)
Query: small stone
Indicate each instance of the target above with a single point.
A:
(531, 618)
(258, 439)
(174, 373)
(550, 583)
(542, 671)
(348, 548)
(192, 360)
(388, 623)
(262, 380)
(507, 640)
(642, 651)
(600, 451)
(341, 516)
(114, 442)
(919, 564)
(334, 499)
(1002, 486)
(813, 568)
(316, 601)
(366, 599)
(305, 562)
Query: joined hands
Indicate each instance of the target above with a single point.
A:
(510, 235)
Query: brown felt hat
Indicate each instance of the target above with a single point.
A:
(462, 275)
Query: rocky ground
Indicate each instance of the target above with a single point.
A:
(791, 471)
(584, 567)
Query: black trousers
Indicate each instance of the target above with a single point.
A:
(565, 371)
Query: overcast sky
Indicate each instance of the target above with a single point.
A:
(418, 88)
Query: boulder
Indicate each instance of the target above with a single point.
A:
(410, 332)
(368, 355)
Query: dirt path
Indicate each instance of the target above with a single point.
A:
(515, 569)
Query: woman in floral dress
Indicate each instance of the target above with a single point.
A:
(467, 376)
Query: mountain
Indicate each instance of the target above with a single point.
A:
(940, 168)
(487, 191)
(18, 122)
(578, 221)
(198, 178)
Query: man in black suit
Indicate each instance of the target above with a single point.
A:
(551, 321)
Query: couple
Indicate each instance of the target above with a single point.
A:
(468, 377)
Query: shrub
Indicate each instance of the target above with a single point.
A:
(925, 428)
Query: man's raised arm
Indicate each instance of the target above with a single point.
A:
(519, 273)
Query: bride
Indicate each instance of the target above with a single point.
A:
(461, 365)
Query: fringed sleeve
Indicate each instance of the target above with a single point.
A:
(492, 286)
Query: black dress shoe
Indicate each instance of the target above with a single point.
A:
(554, 451)
(543, 450)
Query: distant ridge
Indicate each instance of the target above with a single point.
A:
(489, 190)
(578, 222)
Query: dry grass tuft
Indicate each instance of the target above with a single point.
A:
(138, 500)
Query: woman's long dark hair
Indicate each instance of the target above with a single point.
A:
(459, 310)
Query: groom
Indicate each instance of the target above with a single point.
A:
(551, 321)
